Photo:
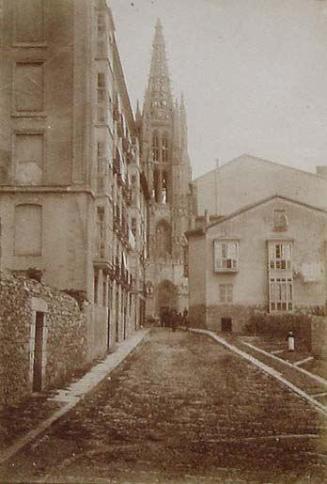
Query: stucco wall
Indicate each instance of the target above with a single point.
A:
(307, 229)
(253, 228)
(64, 340)
(66, 235)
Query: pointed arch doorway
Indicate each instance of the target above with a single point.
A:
(167, 297)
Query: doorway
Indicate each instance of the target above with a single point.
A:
(226, 325)
(38, 352)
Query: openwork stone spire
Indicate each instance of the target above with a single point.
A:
(158, 94)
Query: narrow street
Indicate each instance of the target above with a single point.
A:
(181, 409)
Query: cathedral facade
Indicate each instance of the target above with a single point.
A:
(165, 161)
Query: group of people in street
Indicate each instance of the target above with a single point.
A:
(170, 318)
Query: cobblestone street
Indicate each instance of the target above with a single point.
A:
(181, 409)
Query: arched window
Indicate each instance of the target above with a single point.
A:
(163, 239)
(164, 187)
(155, 146)
(164, 148)
(156, 183)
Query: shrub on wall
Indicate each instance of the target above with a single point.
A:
(278, 325)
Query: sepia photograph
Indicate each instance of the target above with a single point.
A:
(163, 241)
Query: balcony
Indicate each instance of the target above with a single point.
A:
(120, 126)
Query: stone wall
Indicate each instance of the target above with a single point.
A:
(239, 315)
(319, 336)
(210, 317)
(64, 337)
(279, 324)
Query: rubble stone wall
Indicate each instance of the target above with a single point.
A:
(65, 337)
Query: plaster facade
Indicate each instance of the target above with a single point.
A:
(220, 289)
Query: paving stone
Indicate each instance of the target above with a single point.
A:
(183, 409)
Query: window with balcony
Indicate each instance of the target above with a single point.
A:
(226, 255)
(280, 275)
(101, 233)
(101, 166)
(102, 106)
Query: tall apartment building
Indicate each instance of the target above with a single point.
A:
(167, 167)
(67, 142)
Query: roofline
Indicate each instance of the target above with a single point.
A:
(214, 170)
(261, 202)
(120, 79)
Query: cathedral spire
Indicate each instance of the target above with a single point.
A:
(158, 94)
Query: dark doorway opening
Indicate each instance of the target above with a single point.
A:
(108, 329)
(226, 325)
(38, 352)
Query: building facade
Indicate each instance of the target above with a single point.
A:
(269, 257)
(165, 161)
(244, 180)
(68, 147)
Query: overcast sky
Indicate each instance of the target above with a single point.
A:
(253, 74)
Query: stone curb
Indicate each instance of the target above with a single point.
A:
(314, 377)
(78, 391)
(265, 368)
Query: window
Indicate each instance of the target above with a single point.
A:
(29, 158)
(100, 232)
(280, 255)
(280, 275)
(226, 293)
(29, 21)
(101, 80)
(280, 294)
(101, 98)
(155, 147)
(226, 255)
(186, 261)
(104, 293)
(101, 166)
(28, 230)
(164, 188)
(95, 288)
(134, 226)
(165, 148)
(28, 87)
(156, 184)
(280, 220)
(163, 239)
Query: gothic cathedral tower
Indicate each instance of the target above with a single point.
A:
(166, 163)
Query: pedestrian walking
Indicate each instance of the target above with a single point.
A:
(174, 320)
(185, 319)
(290, 341)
